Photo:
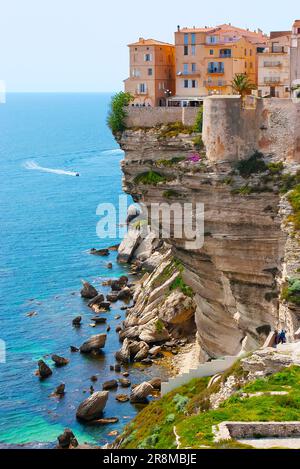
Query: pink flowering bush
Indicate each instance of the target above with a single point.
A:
(193, 157)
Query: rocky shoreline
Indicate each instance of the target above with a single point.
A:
(147, 336)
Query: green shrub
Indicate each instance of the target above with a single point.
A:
(179, 283)
(255, 164)
(276, 168)
(159, 325)
(289, 181)
(291, 291)
(243, 190)
(117, 114)
(198, 142)
(180, 402)
(150, 177)
(174, 129)
(294, 200)
(199, 121)
(170, 194)
(171, 162)
(170, 418)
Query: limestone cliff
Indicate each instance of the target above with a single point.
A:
(248, 251)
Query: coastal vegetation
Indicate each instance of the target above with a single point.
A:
(291, 291)
(241, 84)
(173, 129)
(188, 409)
(149, 177)
(117, 114)
(199, 121)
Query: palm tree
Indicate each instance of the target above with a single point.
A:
(242, 85)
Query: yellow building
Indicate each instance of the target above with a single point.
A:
(274, 66)
(207, 59)
(152, 72)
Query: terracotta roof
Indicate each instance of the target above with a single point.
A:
(275, 34)
(253, 36)
(150, 42)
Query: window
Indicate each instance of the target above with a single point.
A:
(136, 72)
(186, 39)
(194, 67)
(250, 52)
(246, 65)
(190, 83)
(226, 53)
(193, 35)
(186, 50)
(148, 57)
(194, 83)
(216, 67)
(143, 88)
(212, 39)
(211, 52)
(186, 83)
(185, 69)
(245, 52)
(193, 50)
(150, 72)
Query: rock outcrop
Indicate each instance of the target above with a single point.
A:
(235, 277)
(44, 370)
(140, 393)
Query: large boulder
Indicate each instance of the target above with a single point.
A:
(44, 370)
(140, 393)
(117, 285)
(59, 361)
(112, 384)
(154, 331)
(177, 308)
(142, 352)
(99, 252)
(88, 291)
(67, 439)
(93, 406)
(97, 300)
(128, 246)
(125, 294)
(93, 344)
(123, 355)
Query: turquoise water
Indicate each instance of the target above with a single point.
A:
(48, 224)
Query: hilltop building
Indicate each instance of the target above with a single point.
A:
(152, 72)
(274, 72)
(295, 54)
(207, 59)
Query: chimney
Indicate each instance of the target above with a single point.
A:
(141, 39)
(178, 28)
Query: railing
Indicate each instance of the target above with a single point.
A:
(214, 83)
(187, 72)
(221, 40)
(272, 64)
(272, 80)
(215, 71)
(141, 92)
(225, 56)
(277, 49)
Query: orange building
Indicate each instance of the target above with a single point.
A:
(207, 59)
(152, 72)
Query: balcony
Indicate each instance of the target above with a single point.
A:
(141, 92)
(221, 40)
(188, 72)
(277, 50)
(272, 64)
(215, 83)
(216, 71)
(272, 80)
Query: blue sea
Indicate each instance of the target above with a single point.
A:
(48, 224)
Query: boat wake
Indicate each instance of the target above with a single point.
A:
(34, 166)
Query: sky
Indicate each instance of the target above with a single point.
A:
(80, 45)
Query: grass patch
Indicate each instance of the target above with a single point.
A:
(150, 177)
(171, 162)
(159, 326)
(195, 430)
(198, 142)
(198, 126)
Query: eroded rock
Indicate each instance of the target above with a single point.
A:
(93, 406)
(93, 344)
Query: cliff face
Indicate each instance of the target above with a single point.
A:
(236, 276)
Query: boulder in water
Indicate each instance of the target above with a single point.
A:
(67, 439)
(77, 321)
(93, 406)
(99, 252)
(59, 361)
(88, 291)
(123, 355)
(93, 344)
(97, 300)
(140, 393)
(112, 384)
(44, 370)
